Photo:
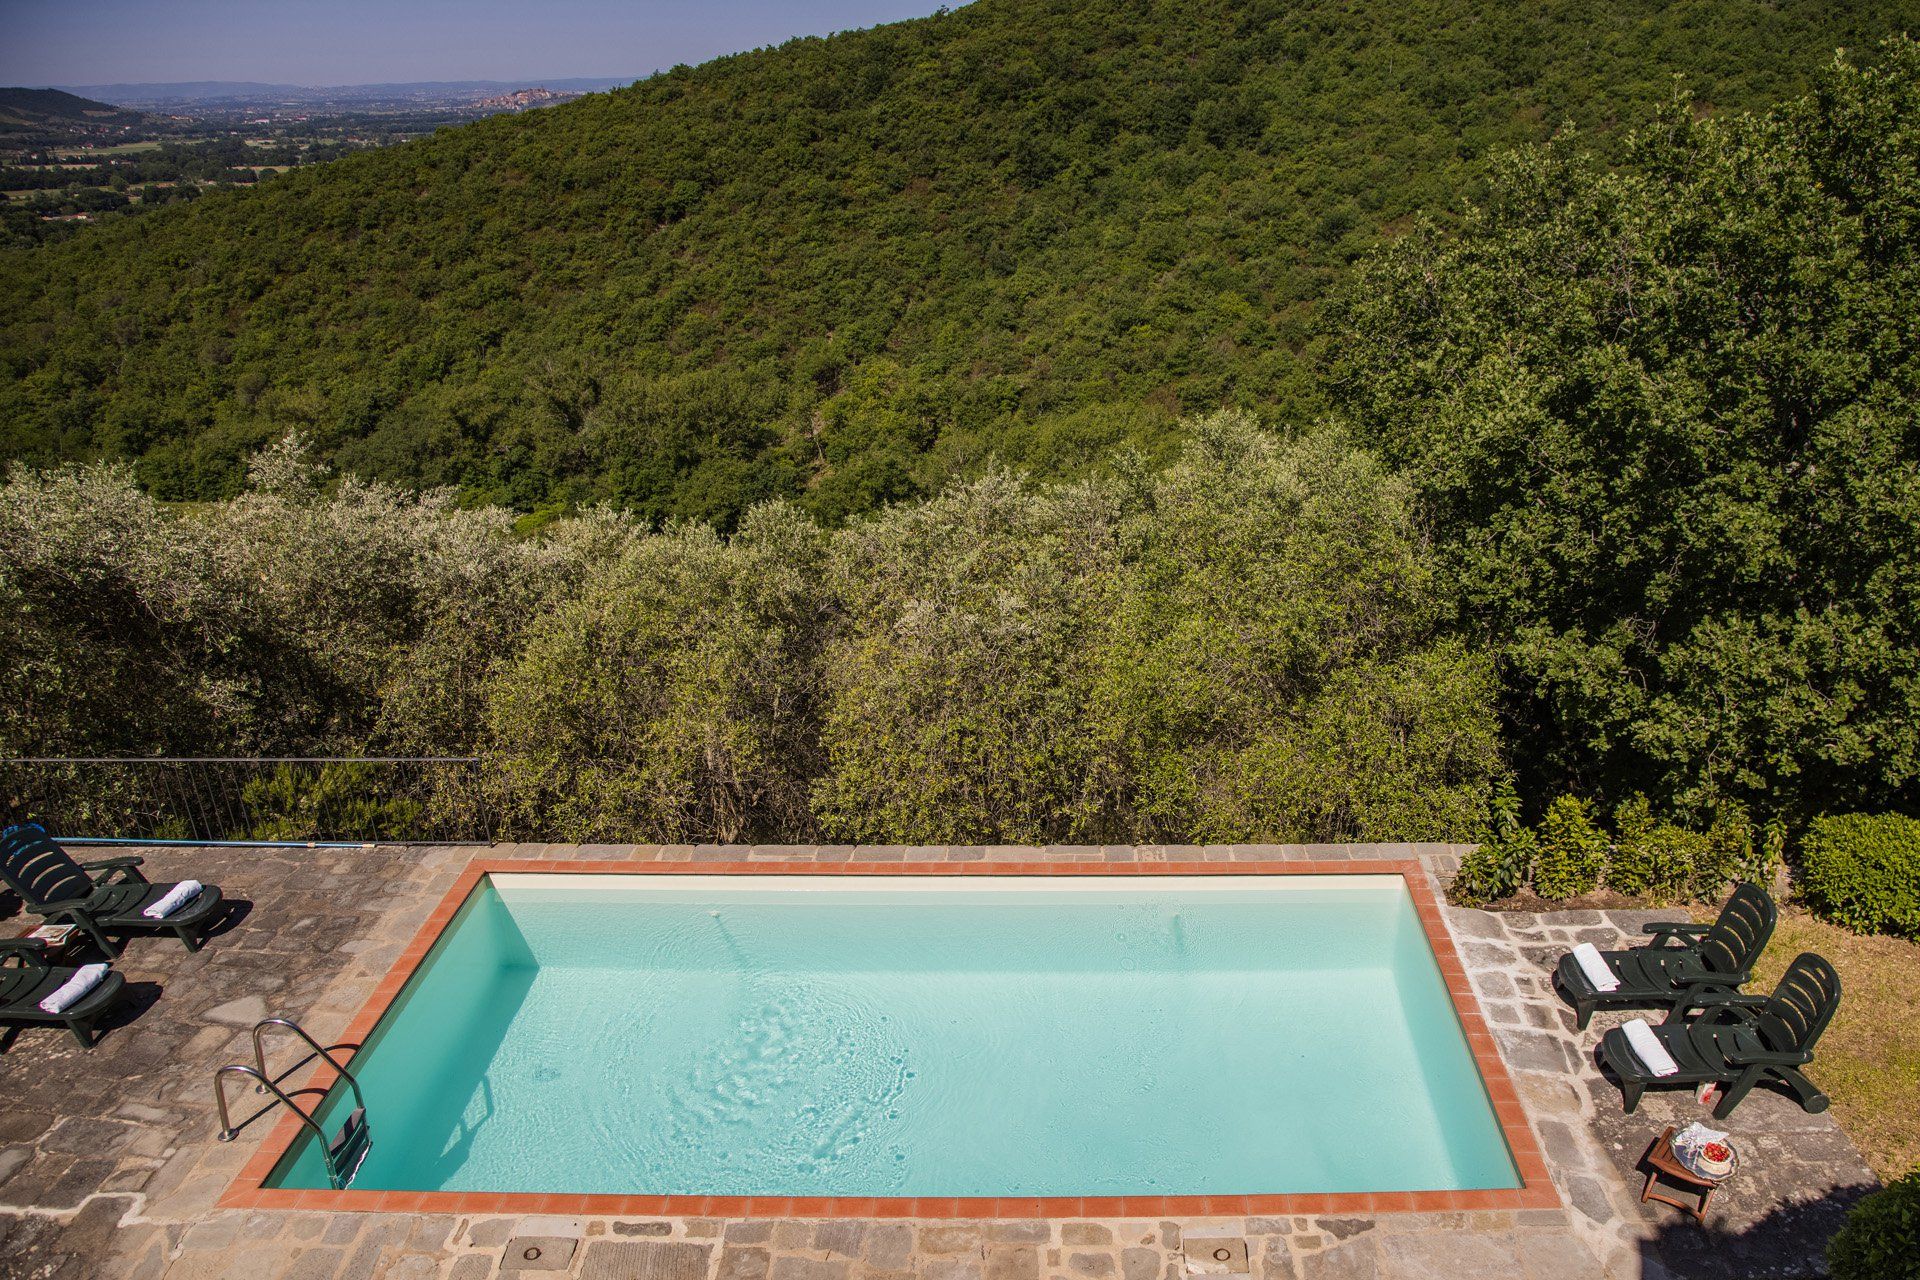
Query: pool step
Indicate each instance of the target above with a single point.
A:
(347, 1148)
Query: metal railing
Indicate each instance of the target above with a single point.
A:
(251, 799)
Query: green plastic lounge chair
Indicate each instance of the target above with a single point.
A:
(1740, 1040)
(1683, 960)
(53, 885)
(23, 985)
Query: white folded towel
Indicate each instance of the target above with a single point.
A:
(1588, 957)
(84, 979)
(172, 900)
(1646, 1046)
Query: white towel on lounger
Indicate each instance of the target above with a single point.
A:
(1591, 963)
(1646, 1046)
(84, 979)
(172, 900)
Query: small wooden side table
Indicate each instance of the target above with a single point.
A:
(1664, 1167)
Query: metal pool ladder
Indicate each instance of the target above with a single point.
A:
(347, 1148)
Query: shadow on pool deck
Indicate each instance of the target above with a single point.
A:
(1799, 1175)
(1773, 1247)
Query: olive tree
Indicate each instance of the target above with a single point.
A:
(1275, 666)
(673, 698)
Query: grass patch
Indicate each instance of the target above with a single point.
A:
(1868, 1061)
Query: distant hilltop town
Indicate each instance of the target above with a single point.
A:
(521, 99)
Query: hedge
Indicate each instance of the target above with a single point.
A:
(1881, 1238)
(1863, 871)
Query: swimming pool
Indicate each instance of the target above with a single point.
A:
(923, 1037)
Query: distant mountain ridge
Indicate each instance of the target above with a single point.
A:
(242, 91)
(843, 270)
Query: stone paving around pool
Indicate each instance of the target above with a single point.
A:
(109, 1167)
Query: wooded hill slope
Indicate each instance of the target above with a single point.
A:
(24, 109)
(841, 269)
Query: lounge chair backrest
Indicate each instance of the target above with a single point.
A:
(38, 869)
(1802, 1005)
(1741, 933)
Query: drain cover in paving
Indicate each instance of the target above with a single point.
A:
(538, 1253)
(1214, 1255)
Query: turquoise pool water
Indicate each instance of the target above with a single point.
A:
(925, 1036)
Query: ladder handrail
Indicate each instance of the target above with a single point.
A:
(260, 1059)
(349, 1147)
(227, 1131)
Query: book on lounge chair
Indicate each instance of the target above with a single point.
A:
(53, 885)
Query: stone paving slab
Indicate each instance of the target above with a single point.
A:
(109, 1168)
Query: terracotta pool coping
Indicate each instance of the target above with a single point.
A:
(1535, 1192)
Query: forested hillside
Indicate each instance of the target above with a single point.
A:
(1617, 494)
(26, 109)
(843, 269)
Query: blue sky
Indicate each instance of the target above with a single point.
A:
(52, 42)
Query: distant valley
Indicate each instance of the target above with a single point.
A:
(206, 95)
(71, 158)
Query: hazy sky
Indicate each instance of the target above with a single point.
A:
(88, 42)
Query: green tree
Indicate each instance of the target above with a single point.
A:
(959, 677)
(1242, 647)
(1274, 667)
(1663, 418)
(674, 697)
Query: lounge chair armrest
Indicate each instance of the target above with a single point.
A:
(65, 906)
(1766, 1059)
(1738, 1009)
(28, 951)
(124, 865)
(1711, 997)
(1677, 931)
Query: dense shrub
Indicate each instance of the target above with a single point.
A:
(1656, 859)
(1498, 868)
(1863, 871)
(960, 679)
(294, 801)
(1881, 1237)
(1240, 646)
(674, 699)
(1659, 860)
(277, 623)
(1568, 855)
(1274, 667)
(1573, 850)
